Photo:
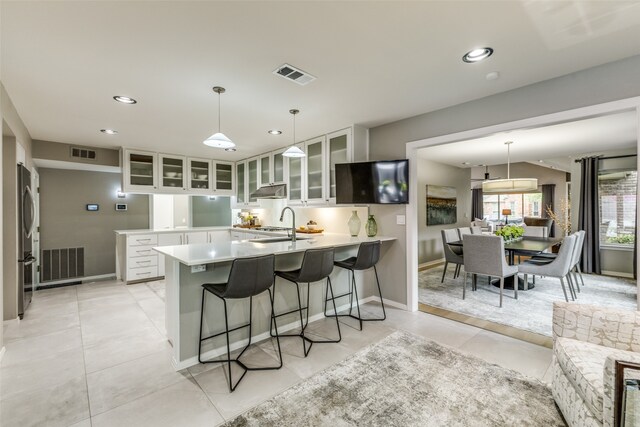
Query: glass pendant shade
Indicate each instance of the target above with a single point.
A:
(514, 185)
(293, 151)
(219, 140)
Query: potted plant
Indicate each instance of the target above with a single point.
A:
(510, 233)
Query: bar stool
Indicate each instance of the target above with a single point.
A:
(317, 264)
(249, 277)
(367, 257)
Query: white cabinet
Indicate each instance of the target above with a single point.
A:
(199, 176)
(339, 149)
(252, 180)
(246, 183)
(194, 237)
(140, 171)
(218, 236)
(316, 171)
(296, 185)
(272, 168)
(173, 171)
(141, 259)
(223, 178)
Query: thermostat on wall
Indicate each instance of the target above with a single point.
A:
(93, 207)
(121, 206)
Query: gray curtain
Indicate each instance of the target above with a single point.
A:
(476, 204)
(548, 194)
(589, 215)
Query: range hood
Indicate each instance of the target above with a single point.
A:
(278, 191)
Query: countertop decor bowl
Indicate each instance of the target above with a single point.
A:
(170, 174)
(202, 177)
(312, 226)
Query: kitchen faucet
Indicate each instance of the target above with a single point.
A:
(293, 233)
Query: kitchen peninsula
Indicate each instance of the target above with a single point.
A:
(187, 267)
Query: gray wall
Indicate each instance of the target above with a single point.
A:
(62, 152)
(210, 213)
(608, 82)
(65, 223)
(434, 173)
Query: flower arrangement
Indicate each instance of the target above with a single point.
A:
(510, 232)
(562, 217)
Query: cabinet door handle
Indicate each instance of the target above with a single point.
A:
(187, 238)
(181, 239)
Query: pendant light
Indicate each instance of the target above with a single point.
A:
(218, 139)
(515, 185)
(294, 151)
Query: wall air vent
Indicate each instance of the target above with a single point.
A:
(83, 153)
(294, 74)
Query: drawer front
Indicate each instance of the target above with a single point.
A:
(142, 273)
(142, 239)
(143, 261)
(141, 251)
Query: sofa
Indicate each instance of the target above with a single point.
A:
(587, 341)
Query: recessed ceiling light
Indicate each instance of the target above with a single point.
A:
(275, 132)
(540, 161)
(230, 149)
(477, 55)
(494, 75)
(109, 131)
(125, 99)
(466, 163)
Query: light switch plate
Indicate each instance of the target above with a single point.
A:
(401, 220)
(198, 268)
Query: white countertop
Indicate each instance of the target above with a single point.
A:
(208, 253)
(185, 230)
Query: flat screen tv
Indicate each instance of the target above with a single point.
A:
(381, 182)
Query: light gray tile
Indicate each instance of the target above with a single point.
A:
(115, 386)
(110, 303)
(61, 405)
(256, 387)
(124, 348)
(83, 423)
(526, 358)
(98, 290)
(443, 331)
(34, 348)
(46, 309)
(40, 326)
(46, 371)
(98, 326)
(141, 291)
(181, 404)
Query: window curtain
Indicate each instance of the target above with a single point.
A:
(476, 204)
(589, 215)
(548, 194)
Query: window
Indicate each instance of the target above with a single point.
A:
(617, 192)
(521, 205)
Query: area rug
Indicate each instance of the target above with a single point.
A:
(533, 309)
(406, 380)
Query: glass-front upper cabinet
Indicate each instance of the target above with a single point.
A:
(172, 172)
(252, 177)
(223, 174)
(295, 185)
(140, 171)
(338, 151)
(265, 170)
(315, 174)
(199, 177)
(278, 167)
(240, 183)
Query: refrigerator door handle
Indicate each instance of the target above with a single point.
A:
(33, 212)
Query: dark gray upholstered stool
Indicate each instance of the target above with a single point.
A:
(317, 265)
(367, 257)
(248, 277)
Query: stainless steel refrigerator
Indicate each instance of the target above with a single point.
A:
(26, 218)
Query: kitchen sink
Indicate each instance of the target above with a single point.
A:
(276, 239)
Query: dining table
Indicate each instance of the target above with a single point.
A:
(527, 246)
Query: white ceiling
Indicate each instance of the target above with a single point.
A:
(376, 62)
(556, 145)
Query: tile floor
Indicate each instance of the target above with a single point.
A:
(95, 355)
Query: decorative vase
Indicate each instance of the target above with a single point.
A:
(354, 224)
(371, 227)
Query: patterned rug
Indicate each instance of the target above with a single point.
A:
(532, 311)
(406, 380)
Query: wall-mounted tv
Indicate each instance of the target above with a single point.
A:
(381, 182)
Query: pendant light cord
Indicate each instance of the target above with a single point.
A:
(219, 113)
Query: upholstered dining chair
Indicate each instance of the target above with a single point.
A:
(451, 254)
(558, 268)
(464, 230)
(484, 255)
(476, 230)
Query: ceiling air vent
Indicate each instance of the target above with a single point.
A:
(294, 74)
(83, 153)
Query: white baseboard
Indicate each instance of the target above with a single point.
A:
(216, 352)
(2, 352)
(386, 301)
(616, 274)
(77, 279)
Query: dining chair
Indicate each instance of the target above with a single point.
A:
(484, 255)
(464, 230)
(452, 254)
(476, 230)
(559, 267)
(578, 252)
